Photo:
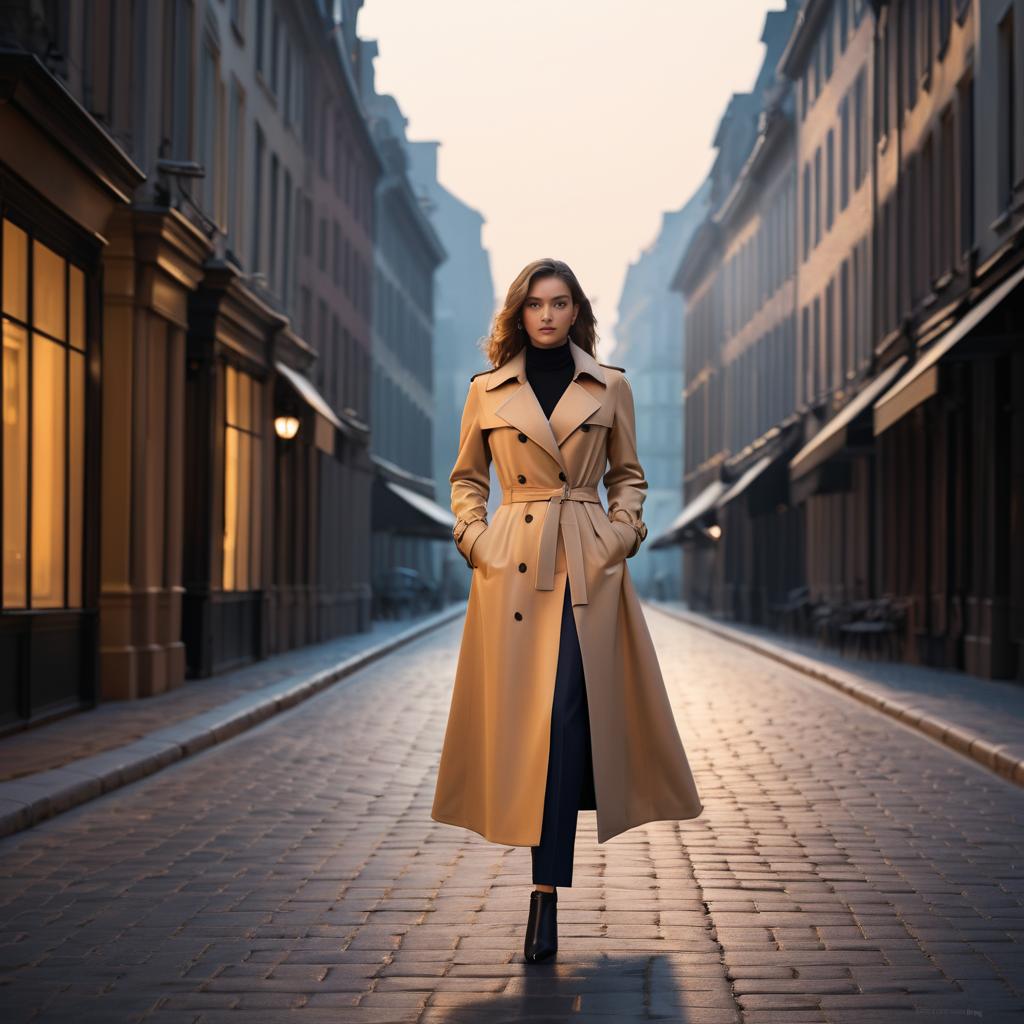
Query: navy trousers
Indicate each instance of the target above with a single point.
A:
(570, 765)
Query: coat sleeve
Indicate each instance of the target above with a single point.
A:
(625, 479)
(470, 479)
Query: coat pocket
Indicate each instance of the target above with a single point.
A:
(478, 547)
(612, 539)
(626, 535)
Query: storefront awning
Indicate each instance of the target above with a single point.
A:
(745, 480)
(399, 509)
(326, 420)
(832, 437)
(702, 504)
(922, 381)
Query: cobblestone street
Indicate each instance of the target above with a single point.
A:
(846, 868)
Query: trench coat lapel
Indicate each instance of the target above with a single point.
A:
(523, 411)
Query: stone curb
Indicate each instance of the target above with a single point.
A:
(999, 758)
(33, 798)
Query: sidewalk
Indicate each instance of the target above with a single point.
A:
(54, 767)
(981, 718)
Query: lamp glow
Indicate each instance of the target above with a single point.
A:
(286, 427)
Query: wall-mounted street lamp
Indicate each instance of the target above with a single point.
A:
(286, 427)
(714, 531)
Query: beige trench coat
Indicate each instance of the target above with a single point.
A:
(551, 531)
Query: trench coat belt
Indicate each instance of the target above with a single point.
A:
(544, 577)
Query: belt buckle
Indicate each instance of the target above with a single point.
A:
(565, 491)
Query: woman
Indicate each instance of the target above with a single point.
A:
(559, 703)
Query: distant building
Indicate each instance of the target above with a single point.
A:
(408, 522)
(648, 333)
(463, 306)
(738, 280)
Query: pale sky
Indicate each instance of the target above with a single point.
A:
(571, 125)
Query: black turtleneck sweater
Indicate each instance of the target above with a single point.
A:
(549, 371)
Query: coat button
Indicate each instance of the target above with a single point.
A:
(519, 615)
(529, 517)
(522, 567)
(522, 437)
(585, 427)
(561, 476)
(521, 478)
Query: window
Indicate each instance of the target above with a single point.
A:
(805, 361)
(857, 317)
(860, 133)
(276, 41)
(261, 32)
(177, 111)
(945, 24)
(830, 186)
(1006, 114)
(238, 16)
(257, 202)
(816, 62)
(965, 101)
(842, 17)
(827, 33)
(845, 327)
(844, 152)
(286, 258)
(243, 489)
(236, 145)
(307, 227)
(910, 51)
(289, 92)
(43, 381)
(209, 126)
(883, 98)
(816, 372)
(321, 343)
(926, 212)
(325, 137)
(830, 361)
(924, 29)
(306, 304)
(807, 210)
(336, 274)
(272, 232)
(817, 195)
(945, 212)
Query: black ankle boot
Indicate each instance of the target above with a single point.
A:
(542, 926)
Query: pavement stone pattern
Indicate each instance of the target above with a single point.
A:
(983, 718)
(846, 868)
(117, 723)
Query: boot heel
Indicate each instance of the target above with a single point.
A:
(541, 926)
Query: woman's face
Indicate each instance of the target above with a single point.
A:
(549, 311)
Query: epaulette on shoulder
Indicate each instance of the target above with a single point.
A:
(480, 373)
(612, 366)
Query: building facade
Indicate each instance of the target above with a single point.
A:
(161, 179)
(647, 334)
(948, 432)
(905, 490)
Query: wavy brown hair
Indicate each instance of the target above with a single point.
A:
(507, 338)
